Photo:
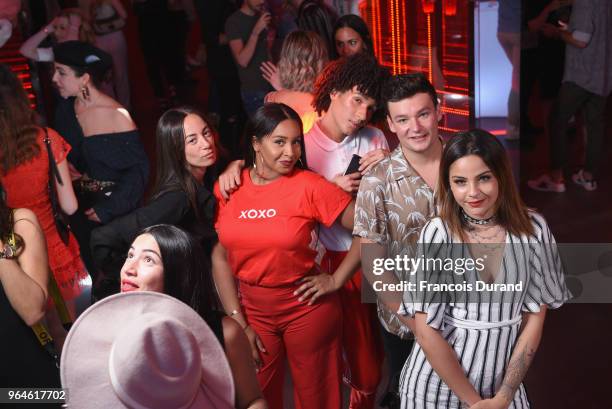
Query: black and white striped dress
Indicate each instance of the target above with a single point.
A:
(482, 334)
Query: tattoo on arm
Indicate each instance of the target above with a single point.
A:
(516, 371)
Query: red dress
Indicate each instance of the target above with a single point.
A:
(26, 187)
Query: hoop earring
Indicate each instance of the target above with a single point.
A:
(261, 167)
(301, 163)
(259, 174)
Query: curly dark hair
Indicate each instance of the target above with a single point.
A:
(360, 70)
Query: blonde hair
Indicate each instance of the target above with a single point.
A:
(302, 58)
(86, 33)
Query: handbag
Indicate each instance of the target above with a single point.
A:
(59, 217)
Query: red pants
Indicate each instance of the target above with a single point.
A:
(309, 336)
(361, 341)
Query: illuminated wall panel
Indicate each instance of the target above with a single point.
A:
(9, 55)
(429, 36)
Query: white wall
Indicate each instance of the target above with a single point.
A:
(492, 69)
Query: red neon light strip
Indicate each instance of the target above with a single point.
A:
(430, 61)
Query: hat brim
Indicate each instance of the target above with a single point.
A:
(85, 358)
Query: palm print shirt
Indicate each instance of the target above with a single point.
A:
(393, 204)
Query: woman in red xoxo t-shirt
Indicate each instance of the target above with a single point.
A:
(267, 241)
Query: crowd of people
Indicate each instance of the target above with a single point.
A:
(268, 242)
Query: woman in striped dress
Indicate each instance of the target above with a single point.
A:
(475, 347)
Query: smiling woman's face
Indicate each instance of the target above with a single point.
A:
(277, 153)
(143, 269)
(474, 186)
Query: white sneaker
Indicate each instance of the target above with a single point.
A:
(545, 183)
(579, 179)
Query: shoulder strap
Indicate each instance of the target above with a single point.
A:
(53, 171)
(46, 341)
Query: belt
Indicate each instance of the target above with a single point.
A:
(474, 324)
(93, 185)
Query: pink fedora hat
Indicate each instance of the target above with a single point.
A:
(144, 350)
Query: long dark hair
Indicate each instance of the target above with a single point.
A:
(172, 171)
(357, 24)
(511, 212)
(187, 275)
(264, 122)
(18, 128)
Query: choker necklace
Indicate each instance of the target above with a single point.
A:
(481, 222)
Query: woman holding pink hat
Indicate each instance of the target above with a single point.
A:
(166, 259)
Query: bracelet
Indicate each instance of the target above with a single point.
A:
(8, 252)
(236, 312)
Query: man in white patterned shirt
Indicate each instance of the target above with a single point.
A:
(396, 199)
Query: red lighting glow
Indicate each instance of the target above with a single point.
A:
(428, 36)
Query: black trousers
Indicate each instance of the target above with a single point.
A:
(573, 98)
(397, 351)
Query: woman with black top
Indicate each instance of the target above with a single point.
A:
(187, 148)
(107, 158)
(23, 297)
(166, 259)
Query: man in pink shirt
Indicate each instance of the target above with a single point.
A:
(345, 96)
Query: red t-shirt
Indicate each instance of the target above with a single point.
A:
(269, 231)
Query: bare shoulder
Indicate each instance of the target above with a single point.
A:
(123, 120)
(117, 118)
(112, 117)
(25, 214)
(25, 221)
